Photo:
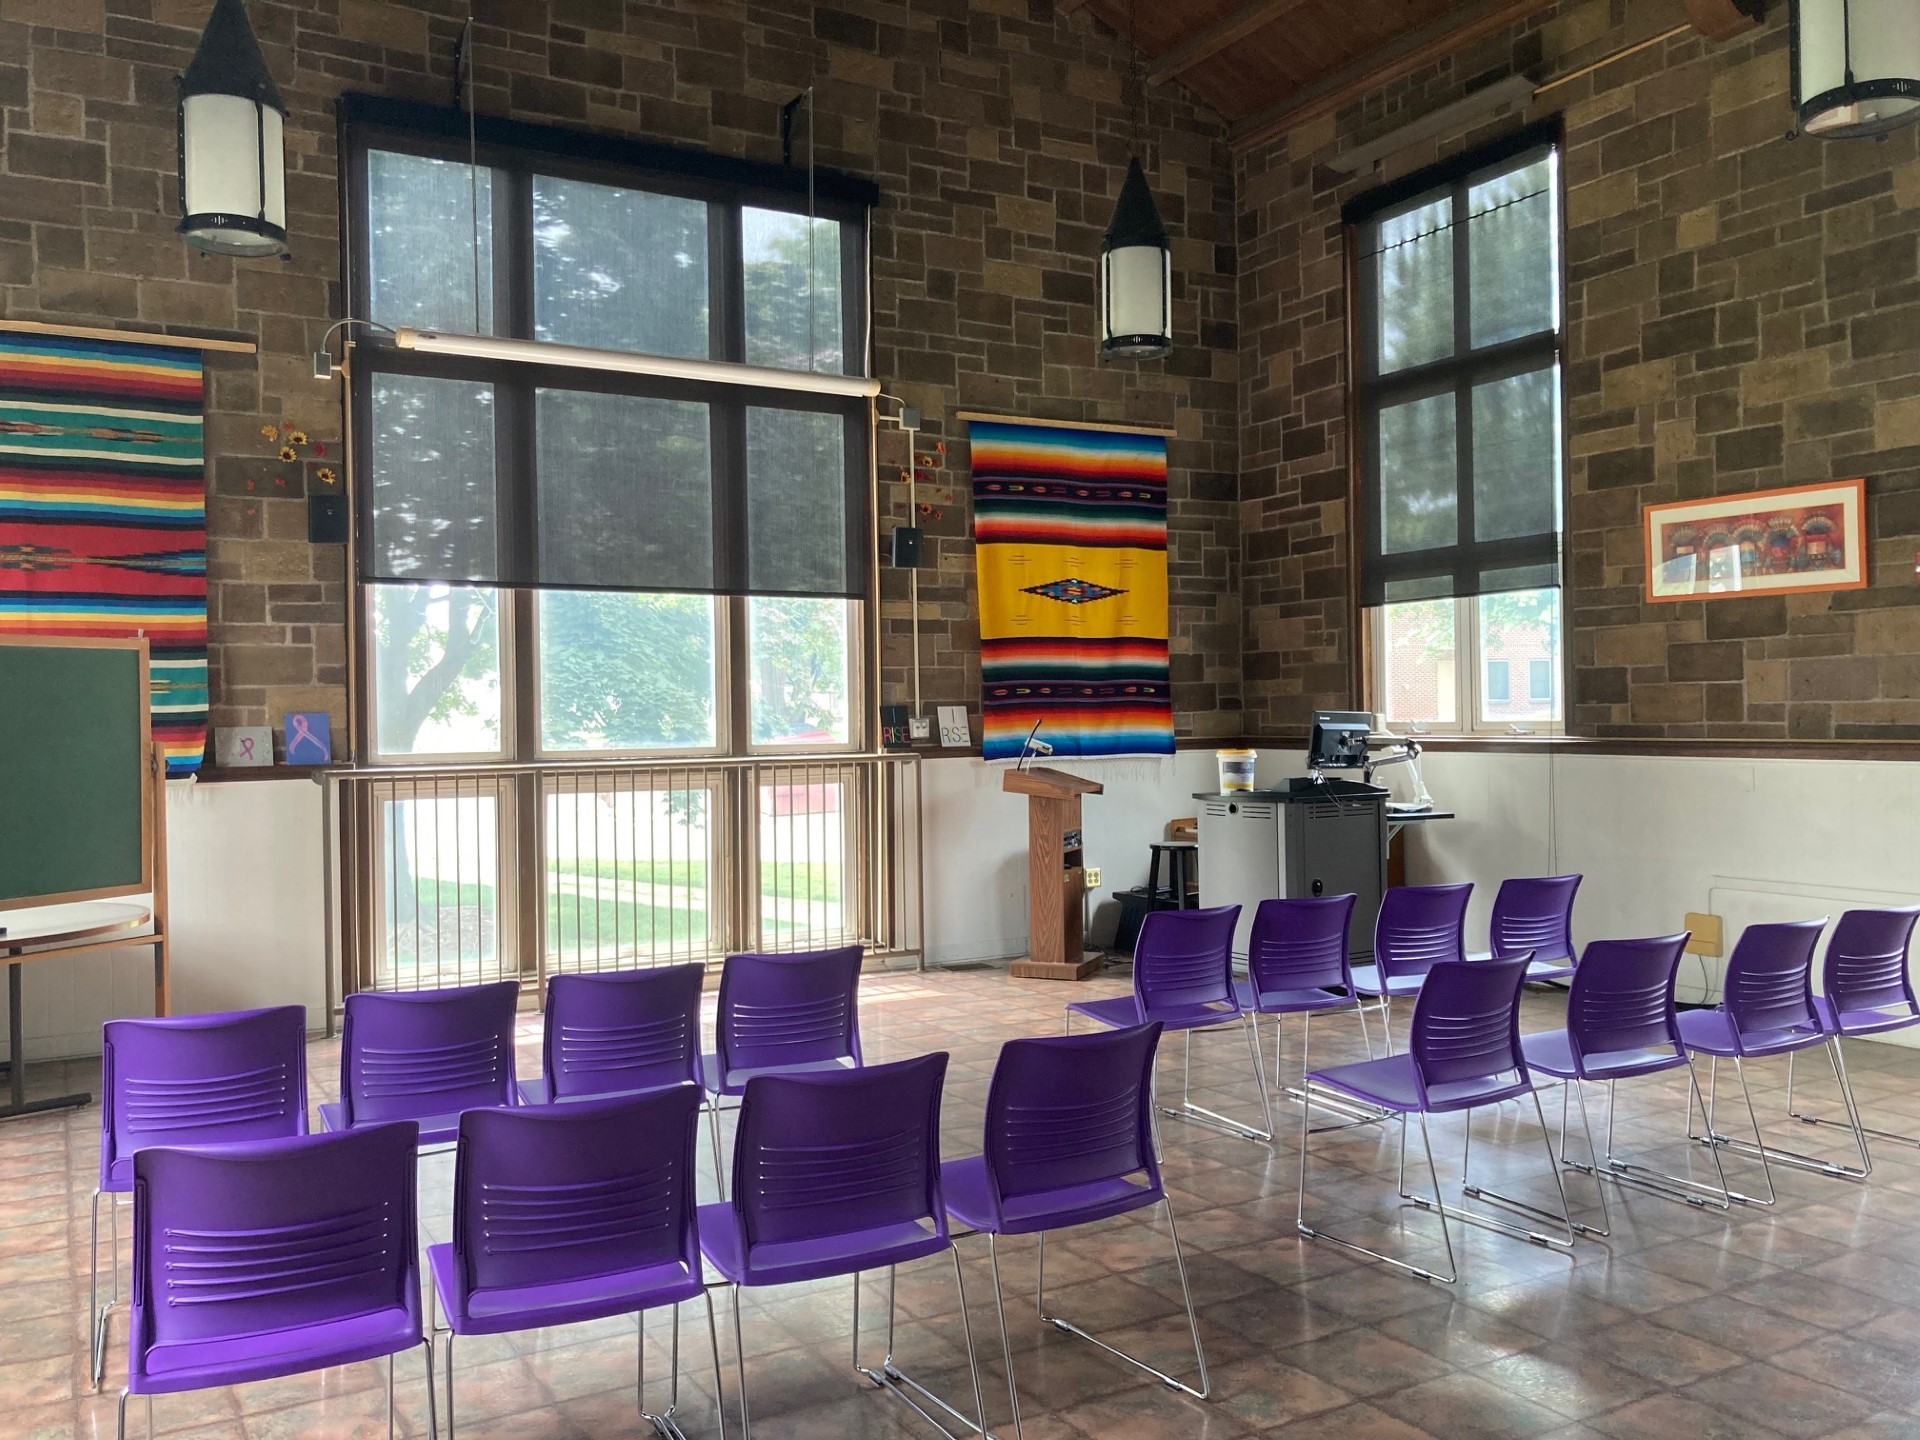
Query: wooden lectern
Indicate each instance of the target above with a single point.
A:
(1056, 878)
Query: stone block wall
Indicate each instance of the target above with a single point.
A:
(997, 130)
(1743, 313)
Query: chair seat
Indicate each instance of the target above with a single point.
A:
(534, 1092)
(1863, 1022)
(963, 1186)
(1712, 1032)
(434, 1129)
(199, 1365)
(1539, 971)
(1123, 1012)
(785, 1262)
(734, 1082)
(497, 1309)
(1366, 981)
(1551, 1052)
(1287, 1002)
(1390, 1084)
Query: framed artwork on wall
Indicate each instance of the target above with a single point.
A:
(1765, 542)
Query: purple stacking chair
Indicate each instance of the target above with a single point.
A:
(1463, 1053)
(1535, 914)
(273, 1258)
(1768, 1010)
(622, 1032)
(575, 1212)
(1068, 1140)
(1419, 926)
(1297, 964)
(836, 1172)
(1621, 1025)
(1183, 978)
(1868, 989)
(425, 1056)
(190, 1080)
(791, 1014)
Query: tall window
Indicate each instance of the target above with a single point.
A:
(1461, 337)
(561, 561)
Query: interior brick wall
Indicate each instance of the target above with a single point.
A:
(997, 129)
(1743, 313)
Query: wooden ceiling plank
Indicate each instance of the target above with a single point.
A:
(1206, 43)
(1415, 49)
(1067, 7)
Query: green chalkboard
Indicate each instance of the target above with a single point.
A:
(74, 778)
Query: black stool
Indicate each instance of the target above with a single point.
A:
(1182, 856)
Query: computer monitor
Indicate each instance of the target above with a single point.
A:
(1339, 740)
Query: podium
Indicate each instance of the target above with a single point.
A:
(1056, 876)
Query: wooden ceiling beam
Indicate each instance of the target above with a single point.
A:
(1249, 19)
(1412, 51)
(1067, 7)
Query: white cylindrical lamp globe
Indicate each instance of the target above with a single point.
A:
(1856, 66)
(233, 166)
(1136, 276)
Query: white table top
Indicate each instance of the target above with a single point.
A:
(58, 924)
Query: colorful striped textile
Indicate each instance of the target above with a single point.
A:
(103, 512)
(1070, 543)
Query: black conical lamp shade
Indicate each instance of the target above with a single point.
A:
(233, 180)
(1136, 275)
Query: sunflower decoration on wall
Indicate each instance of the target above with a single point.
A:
(293, 446)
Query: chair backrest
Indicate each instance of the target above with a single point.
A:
(1300, 944)
(1419, 927)
(1534, 914)
(793, 1009)
(1769, 982)
(831, 1152)
(1622, 996)
(1466, 1022)
(1866, 964)
(427, 1052)
(1184, 958)
(1069, 1110)
(553, 1193)
(202, 1080)
(622, 1031)
(273, 1236)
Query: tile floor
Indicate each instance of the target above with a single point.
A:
(1796, 1321)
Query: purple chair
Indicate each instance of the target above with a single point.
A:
(1068, 1140)
(273, 1258)
(1621, 1025)
(568, 1213)
(1297, 965)
(624, 1032)
(836, 1172)
(1537, 915)
(1768, 1010)
(1419, 926)
(1464, 1052)
(792, 1014)
(1868, 990)
(190, 1080)
(425, 1055)
(1183, 978)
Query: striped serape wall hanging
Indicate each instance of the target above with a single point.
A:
(103, 512)
(1070, 541)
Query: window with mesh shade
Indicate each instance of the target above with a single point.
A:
(1458, 369)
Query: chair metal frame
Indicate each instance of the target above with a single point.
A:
(1436, 1204)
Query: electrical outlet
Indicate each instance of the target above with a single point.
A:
(1093, 877)
(920, 728)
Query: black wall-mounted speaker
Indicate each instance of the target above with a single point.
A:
(326, 519)
(907, 547)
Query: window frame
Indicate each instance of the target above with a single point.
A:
(516, 153)
(1459, 373)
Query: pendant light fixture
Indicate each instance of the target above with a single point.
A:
(1856, 66)
(233, 165)
(1136, 258)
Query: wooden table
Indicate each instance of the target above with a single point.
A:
(61, 931)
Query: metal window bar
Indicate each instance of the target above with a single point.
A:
(448, 875)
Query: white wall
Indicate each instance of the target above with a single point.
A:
(245, 870)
